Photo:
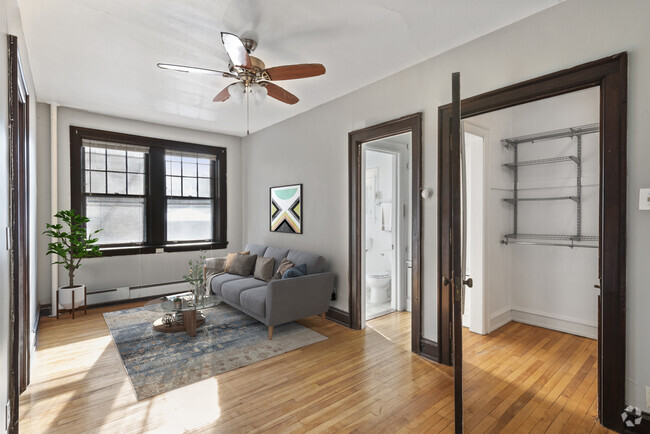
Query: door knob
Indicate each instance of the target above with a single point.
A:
(445, 281)
(469, 282)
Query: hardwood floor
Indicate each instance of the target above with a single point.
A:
(519, 379)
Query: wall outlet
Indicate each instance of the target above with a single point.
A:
(647, 396)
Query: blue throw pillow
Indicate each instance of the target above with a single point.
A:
(297, 271)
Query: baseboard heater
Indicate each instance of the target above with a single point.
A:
(124, 293)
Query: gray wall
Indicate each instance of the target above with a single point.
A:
(10, 23)
(312, 147)
(116, 271)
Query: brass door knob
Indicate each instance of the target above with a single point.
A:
(469, 282)
(445, 281)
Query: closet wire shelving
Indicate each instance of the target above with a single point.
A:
(544, 239)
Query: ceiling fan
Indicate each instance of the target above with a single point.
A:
(253, 77)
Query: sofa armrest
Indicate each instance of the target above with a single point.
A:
(299, 297)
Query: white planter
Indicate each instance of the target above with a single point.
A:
(65, 296)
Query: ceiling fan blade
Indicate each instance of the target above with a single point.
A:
(278, 93)
(183, 68)
(292, 72)
(223, 95)
(236, 50)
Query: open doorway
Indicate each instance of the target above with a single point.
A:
(608, 76)
(386, 227)
(385, 167)
(532, 182)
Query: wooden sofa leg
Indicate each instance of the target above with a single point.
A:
(270, 332)
(322, 317)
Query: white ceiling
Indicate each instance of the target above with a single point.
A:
(101, 55)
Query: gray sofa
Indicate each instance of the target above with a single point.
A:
(278, 301)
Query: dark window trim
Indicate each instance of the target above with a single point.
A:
(155, 228)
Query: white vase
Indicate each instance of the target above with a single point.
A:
(65, 296)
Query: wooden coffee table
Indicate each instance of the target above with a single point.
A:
(192, 315)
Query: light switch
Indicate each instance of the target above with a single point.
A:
(644, 199)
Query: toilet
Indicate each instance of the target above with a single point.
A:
(378, 285)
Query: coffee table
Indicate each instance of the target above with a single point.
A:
(189, 307)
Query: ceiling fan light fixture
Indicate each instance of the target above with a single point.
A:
(259, 92)
(236, 92)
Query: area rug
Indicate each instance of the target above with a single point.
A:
(158, 362)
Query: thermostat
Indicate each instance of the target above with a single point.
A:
(644, 199)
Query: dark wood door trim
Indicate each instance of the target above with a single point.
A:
(18, 132)
(413, 124)
(610, 74)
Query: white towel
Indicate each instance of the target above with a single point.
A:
(386, 216)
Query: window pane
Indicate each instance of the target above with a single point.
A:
(189, 219)
(97, 159)
(98, 182)
(189, 167)
(204, 187)
(204, 169)
(86, 181)
(176, 168)
(121, 219)
(176, 186)
(136, 183)
(116, 183)
(189, 187)
(136, 162)
(116, 160)
(168, 185)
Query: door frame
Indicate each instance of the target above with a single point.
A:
(20, 332)
(610, 74)
(413, 124)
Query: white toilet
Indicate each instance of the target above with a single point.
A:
(378, 284)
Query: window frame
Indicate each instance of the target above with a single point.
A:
(155, 197)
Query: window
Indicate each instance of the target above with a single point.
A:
(147, 194)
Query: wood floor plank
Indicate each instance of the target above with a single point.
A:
(356, 381)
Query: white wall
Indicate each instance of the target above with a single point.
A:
(10, 23)
(312, 147)
(379, 253)
(541, 285)
(119, 271)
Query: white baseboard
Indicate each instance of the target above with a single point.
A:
(499, 319)
(541, 319)
(555, 322)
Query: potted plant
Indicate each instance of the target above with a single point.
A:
(71, 243)
(178, 302)
(195, 277)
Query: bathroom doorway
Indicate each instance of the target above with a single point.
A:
(386, 195)
(386, 226)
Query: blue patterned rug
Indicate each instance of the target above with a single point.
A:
(158, 362)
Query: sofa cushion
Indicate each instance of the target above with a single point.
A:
(255, 300)
(231, 257)
(264, 268)
(219, 280)
(284, 266)
(256, 249)
(242, 265)
(315, 263)
(233, 289)
(297, 271)
(277, 254)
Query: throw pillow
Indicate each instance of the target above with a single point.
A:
(242, 265)
(230, 257)
(284, 266)
(264, 268)
(297, 271)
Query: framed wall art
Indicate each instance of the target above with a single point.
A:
(286, 209)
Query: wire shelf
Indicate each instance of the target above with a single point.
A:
(529, 199)
(554, 134)
(552, 237)
(543, 161)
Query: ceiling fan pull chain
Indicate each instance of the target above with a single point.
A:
(247, 112)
